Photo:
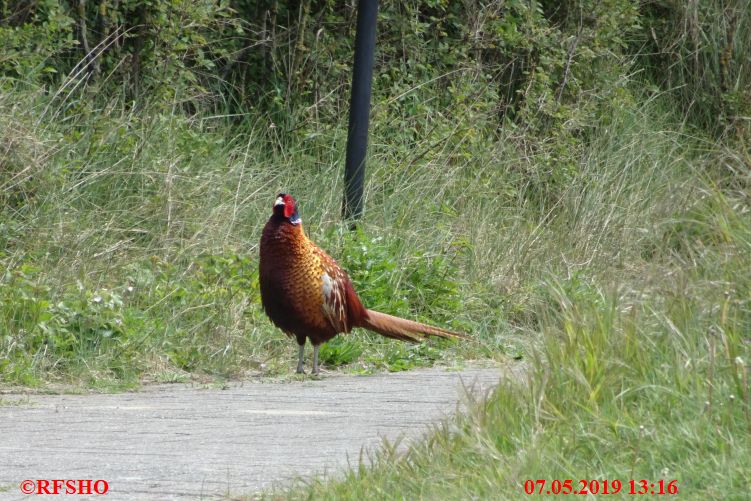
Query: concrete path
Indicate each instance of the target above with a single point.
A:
(186, 442)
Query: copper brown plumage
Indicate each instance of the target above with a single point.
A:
(308, 296)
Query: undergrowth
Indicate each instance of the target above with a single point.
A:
(130, 252)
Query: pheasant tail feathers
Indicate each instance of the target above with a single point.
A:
(402, 329)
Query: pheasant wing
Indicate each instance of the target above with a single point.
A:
(340, 302)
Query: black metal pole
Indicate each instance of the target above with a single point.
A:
(357, 138)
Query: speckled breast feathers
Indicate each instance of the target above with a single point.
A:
(304, 291)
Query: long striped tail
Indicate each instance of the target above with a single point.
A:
(403, 329)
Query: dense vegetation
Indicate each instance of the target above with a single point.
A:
(568, 181)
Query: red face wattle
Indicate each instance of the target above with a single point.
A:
(289, 206)
(286, 206)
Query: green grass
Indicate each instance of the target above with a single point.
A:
(128, 245)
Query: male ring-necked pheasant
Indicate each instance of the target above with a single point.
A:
(307, 295)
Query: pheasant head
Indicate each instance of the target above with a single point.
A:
(285, 208)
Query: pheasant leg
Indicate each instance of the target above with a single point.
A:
(315, 359)
(300, 357)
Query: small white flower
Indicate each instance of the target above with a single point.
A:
(97, 299)
(130, 288)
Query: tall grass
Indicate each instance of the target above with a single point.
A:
(129, 243)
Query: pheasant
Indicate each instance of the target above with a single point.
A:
(308, 296)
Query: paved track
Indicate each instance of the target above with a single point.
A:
(187, 442)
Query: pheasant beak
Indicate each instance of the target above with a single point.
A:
(279, 201)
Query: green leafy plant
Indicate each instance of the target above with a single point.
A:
(342, 350)
(395, 280)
